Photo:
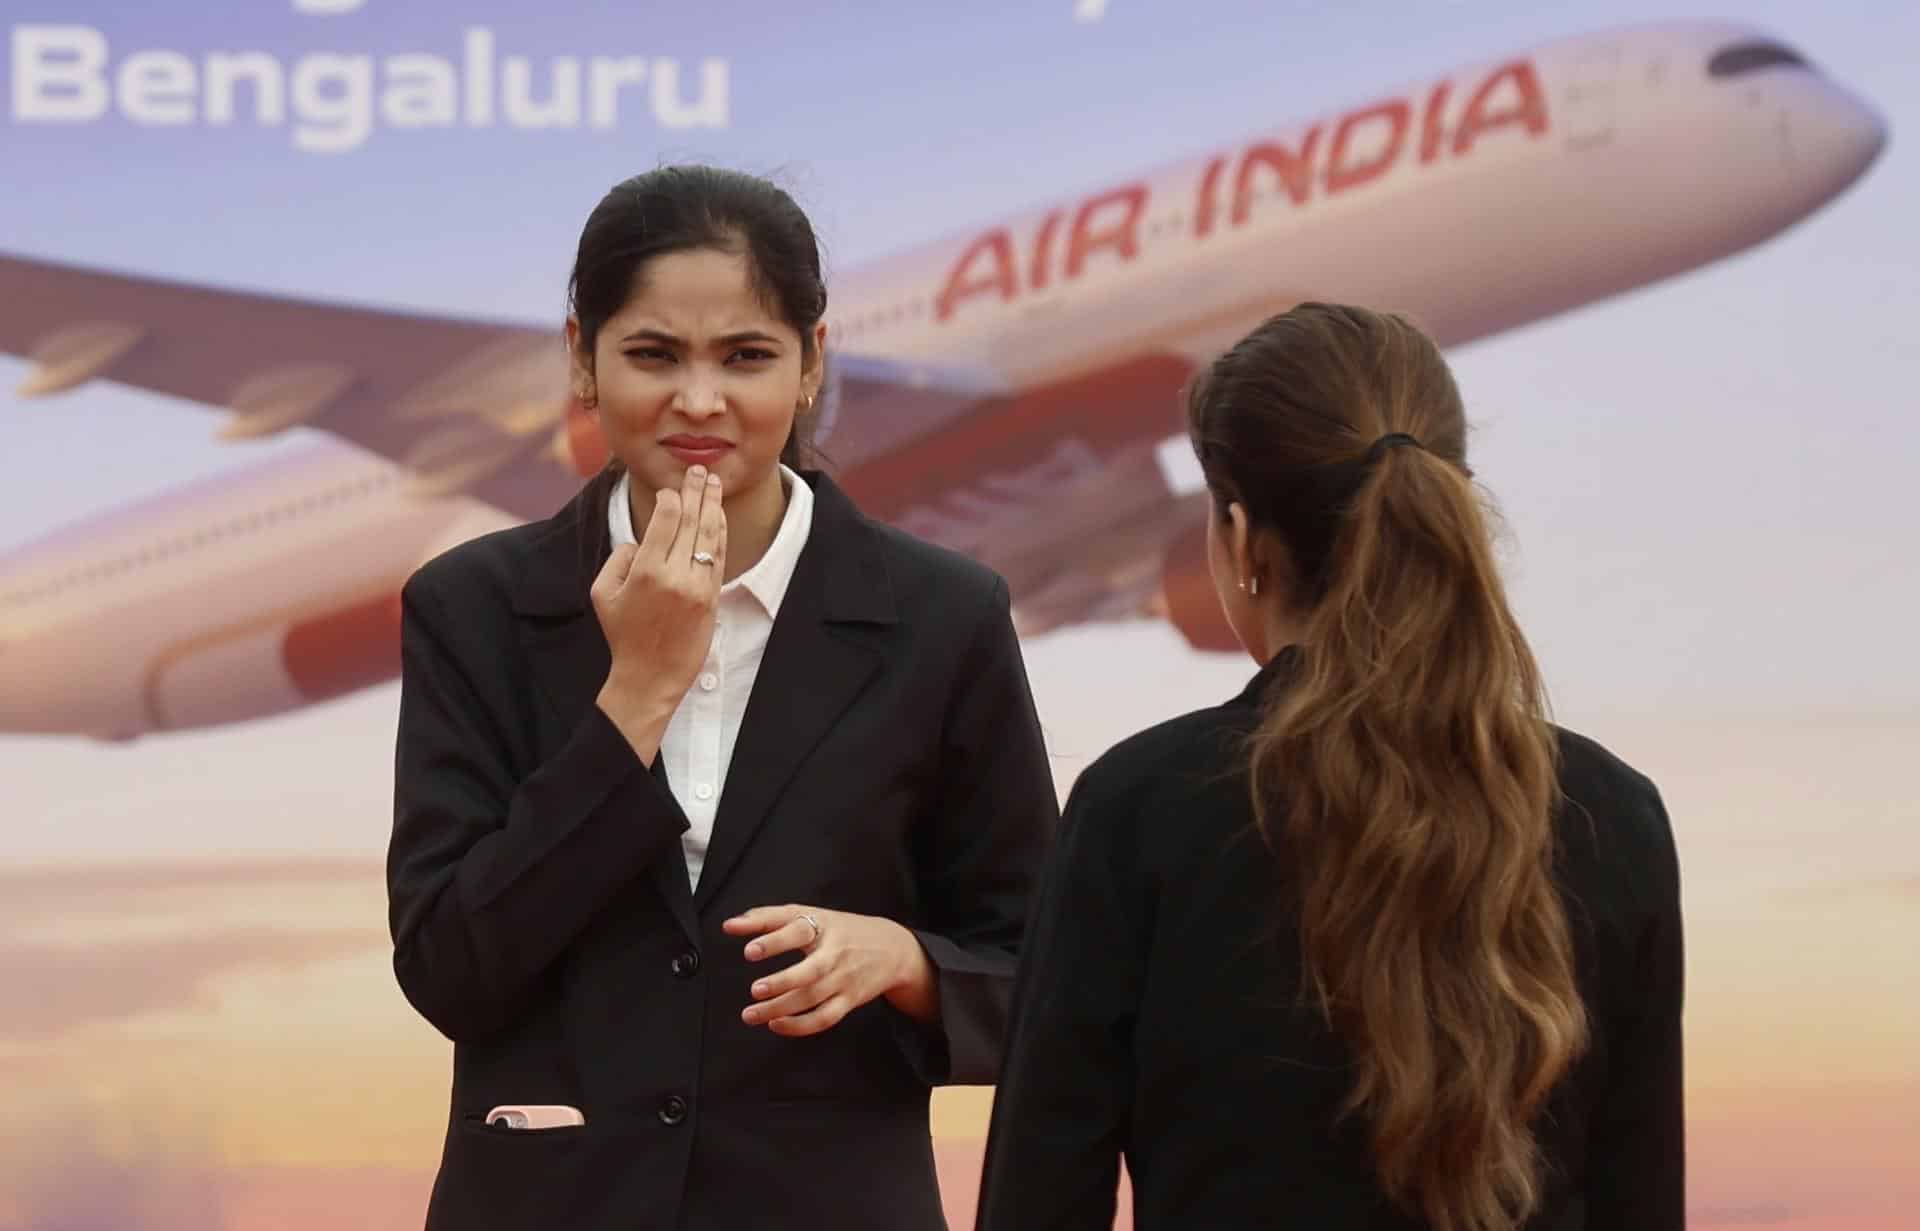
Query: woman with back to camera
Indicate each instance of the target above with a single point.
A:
(1372, 945)
(717, 806)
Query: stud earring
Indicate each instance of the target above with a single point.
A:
(1251, 586)
(807, 406)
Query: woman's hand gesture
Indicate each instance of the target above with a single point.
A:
(850, 960)
(656, 604)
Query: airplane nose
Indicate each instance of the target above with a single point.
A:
(1835, 138)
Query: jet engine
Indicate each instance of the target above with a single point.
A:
(1187, 599)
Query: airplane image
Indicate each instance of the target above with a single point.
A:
(1011, 392)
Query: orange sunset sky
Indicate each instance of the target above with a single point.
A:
(219, 1042)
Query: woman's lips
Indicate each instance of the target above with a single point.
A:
(697, 450)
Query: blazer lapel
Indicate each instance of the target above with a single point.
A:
(567, 651)
(818, 661)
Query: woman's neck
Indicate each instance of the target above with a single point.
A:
(1278, 629)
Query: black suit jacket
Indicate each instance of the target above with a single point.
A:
(1160, 1015)
(890, 763)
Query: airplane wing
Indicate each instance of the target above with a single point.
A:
(871, 407)
(1079, 537)
(472, 406)
(1075, 492)
(468, 404)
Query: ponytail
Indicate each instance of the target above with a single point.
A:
(1409, 772)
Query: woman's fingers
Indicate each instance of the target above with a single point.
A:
(849, 961)
(761, 919)
(801, 999)
(692, 493)
(794, 936)
(711, 534)
(813, 969)
(657, 541)
(815, 1021)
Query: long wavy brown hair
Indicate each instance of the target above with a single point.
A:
(1407, 772)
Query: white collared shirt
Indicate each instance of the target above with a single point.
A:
(699, 741)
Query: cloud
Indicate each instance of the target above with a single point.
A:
(1740, 1216)
(1907, 890)
(74, 985)
(69, 884)
(154, 1171)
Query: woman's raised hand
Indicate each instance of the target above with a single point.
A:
(656, 605)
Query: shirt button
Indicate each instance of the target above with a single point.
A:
(709, 682)
(703, 792)
(673, 1110)
(686, 965)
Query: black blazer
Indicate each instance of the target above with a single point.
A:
(1159, 1012)
(890, 763)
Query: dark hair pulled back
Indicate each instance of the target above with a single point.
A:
(685, 207)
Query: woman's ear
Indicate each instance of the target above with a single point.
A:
(580, 368)
(813, 374)
(1239, 545)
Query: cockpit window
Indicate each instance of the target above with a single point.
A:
(1744, 58)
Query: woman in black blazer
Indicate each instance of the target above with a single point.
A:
(1371, 945)
(702, 958)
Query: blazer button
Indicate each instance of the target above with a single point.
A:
(673, 1110)
(686, 965)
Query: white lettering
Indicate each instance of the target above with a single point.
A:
(608, 76)
(422, 92)
(157, 87)
(333, 97)
(479, 77)
(562, 110)
(225, 71)
(67, 74)
(56, 73)
(709, 112)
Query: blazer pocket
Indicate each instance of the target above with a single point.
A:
(509, 1179)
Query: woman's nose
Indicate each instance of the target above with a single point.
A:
(699, 397)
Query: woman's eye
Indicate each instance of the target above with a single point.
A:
(649, 354)
(752, 354)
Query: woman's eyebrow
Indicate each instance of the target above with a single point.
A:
(746, 335)
(653, 335)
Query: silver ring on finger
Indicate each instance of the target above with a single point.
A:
(703, 557)
(807, 917)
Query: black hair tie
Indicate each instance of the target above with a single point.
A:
(1392, 440)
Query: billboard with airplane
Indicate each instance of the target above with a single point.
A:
(1011, 392)
(280, 301)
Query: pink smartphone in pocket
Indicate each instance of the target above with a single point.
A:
(535, 1115)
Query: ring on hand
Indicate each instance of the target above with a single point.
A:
(703, 557)
(807, 917)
